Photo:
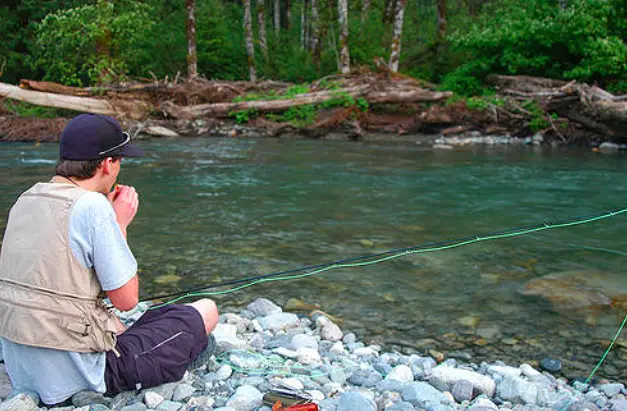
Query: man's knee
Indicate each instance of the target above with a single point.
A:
(208, 311)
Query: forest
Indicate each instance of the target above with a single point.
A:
(526, 65)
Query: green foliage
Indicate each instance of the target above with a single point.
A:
(584, 42)
(30, 110)
(92, 43)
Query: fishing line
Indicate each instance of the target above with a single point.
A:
(390, 255)
(372, 259)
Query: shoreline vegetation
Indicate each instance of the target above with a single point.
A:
(353, 106)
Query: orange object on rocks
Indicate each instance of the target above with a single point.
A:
(300, 407)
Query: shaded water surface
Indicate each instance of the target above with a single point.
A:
(214, 210)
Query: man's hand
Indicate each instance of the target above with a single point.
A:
(125, 202)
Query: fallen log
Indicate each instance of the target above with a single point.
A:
(132, 109)
(362, 91)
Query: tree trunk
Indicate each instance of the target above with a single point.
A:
(389, 11)
(277, 17)
(441, 20)
(288, 14)
(250, 46)
(315, 33)
(132, 109)
(261, 22)
(190, 25)
(345, 58)
(396, 38)
(364, 12)
(303, 25)
(390, 95)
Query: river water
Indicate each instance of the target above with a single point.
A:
(215, 210)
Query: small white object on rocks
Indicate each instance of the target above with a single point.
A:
(153, 399)
(160, 131)
(308, 356)
(281, 321)
(401, 373)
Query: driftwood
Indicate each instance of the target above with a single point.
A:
(564, 106)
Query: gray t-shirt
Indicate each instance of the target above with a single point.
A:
(96, 241)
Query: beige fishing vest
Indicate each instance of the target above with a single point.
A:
(47, 298)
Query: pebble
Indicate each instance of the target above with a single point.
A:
(263, 347)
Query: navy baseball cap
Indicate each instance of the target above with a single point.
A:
(94, 136)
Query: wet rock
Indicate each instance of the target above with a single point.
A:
(517, 390)
(263, 307)
(21, 402)
(246, 398)
(551, 364)
(400, 373)
(611, 390)
(352, 401)
(449, 376)
(421, 394)
(86, 397)
(462, 390)
(277, 322)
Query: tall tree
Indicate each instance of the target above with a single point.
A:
(190, 25)
(303, 25)
(441, 20)
(345, 58)
(277, 17)
(315, 33)
(250, 46)
(396, 38)
(288, 14)
(364, 12)
(261, 22)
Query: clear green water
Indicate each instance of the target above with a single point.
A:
(214, 210)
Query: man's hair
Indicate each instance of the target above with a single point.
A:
(80, 169)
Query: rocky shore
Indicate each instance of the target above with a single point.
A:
(263, 348)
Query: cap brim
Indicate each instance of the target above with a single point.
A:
(131, 150)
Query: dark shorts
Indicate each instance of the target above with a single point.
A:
(156, 349)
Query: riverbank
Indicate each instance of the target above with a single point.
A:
(25, 129)
(263, 348)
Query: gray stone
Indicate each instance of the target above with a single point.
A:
(246, 398)
(401, 406)
(421, 393)
(277, 322)
(153, 399)
(462, 390)
(365, 378)
(5, 382)
(391, 385)
(165, 390)
(619, 405)
(583, 406)
(20, 402)
(98, 407)
(337, 375)
(245, 360)
(122, 399)
(517, 390)
(550, 364)
(86, 397)
(263, 307)
(182, 392)
(611, 389)
(135, 407)
(328, 404)
(401, 373)
(170, 406)
(352, 401)
(304, 341)
(481, 383)
(331, 332)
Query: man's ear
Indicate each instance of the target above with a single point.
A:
(105, 165)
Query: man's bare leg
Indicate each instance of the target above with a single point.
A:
(208, 311)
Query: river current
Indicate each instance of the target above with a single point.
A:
(215, 210)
